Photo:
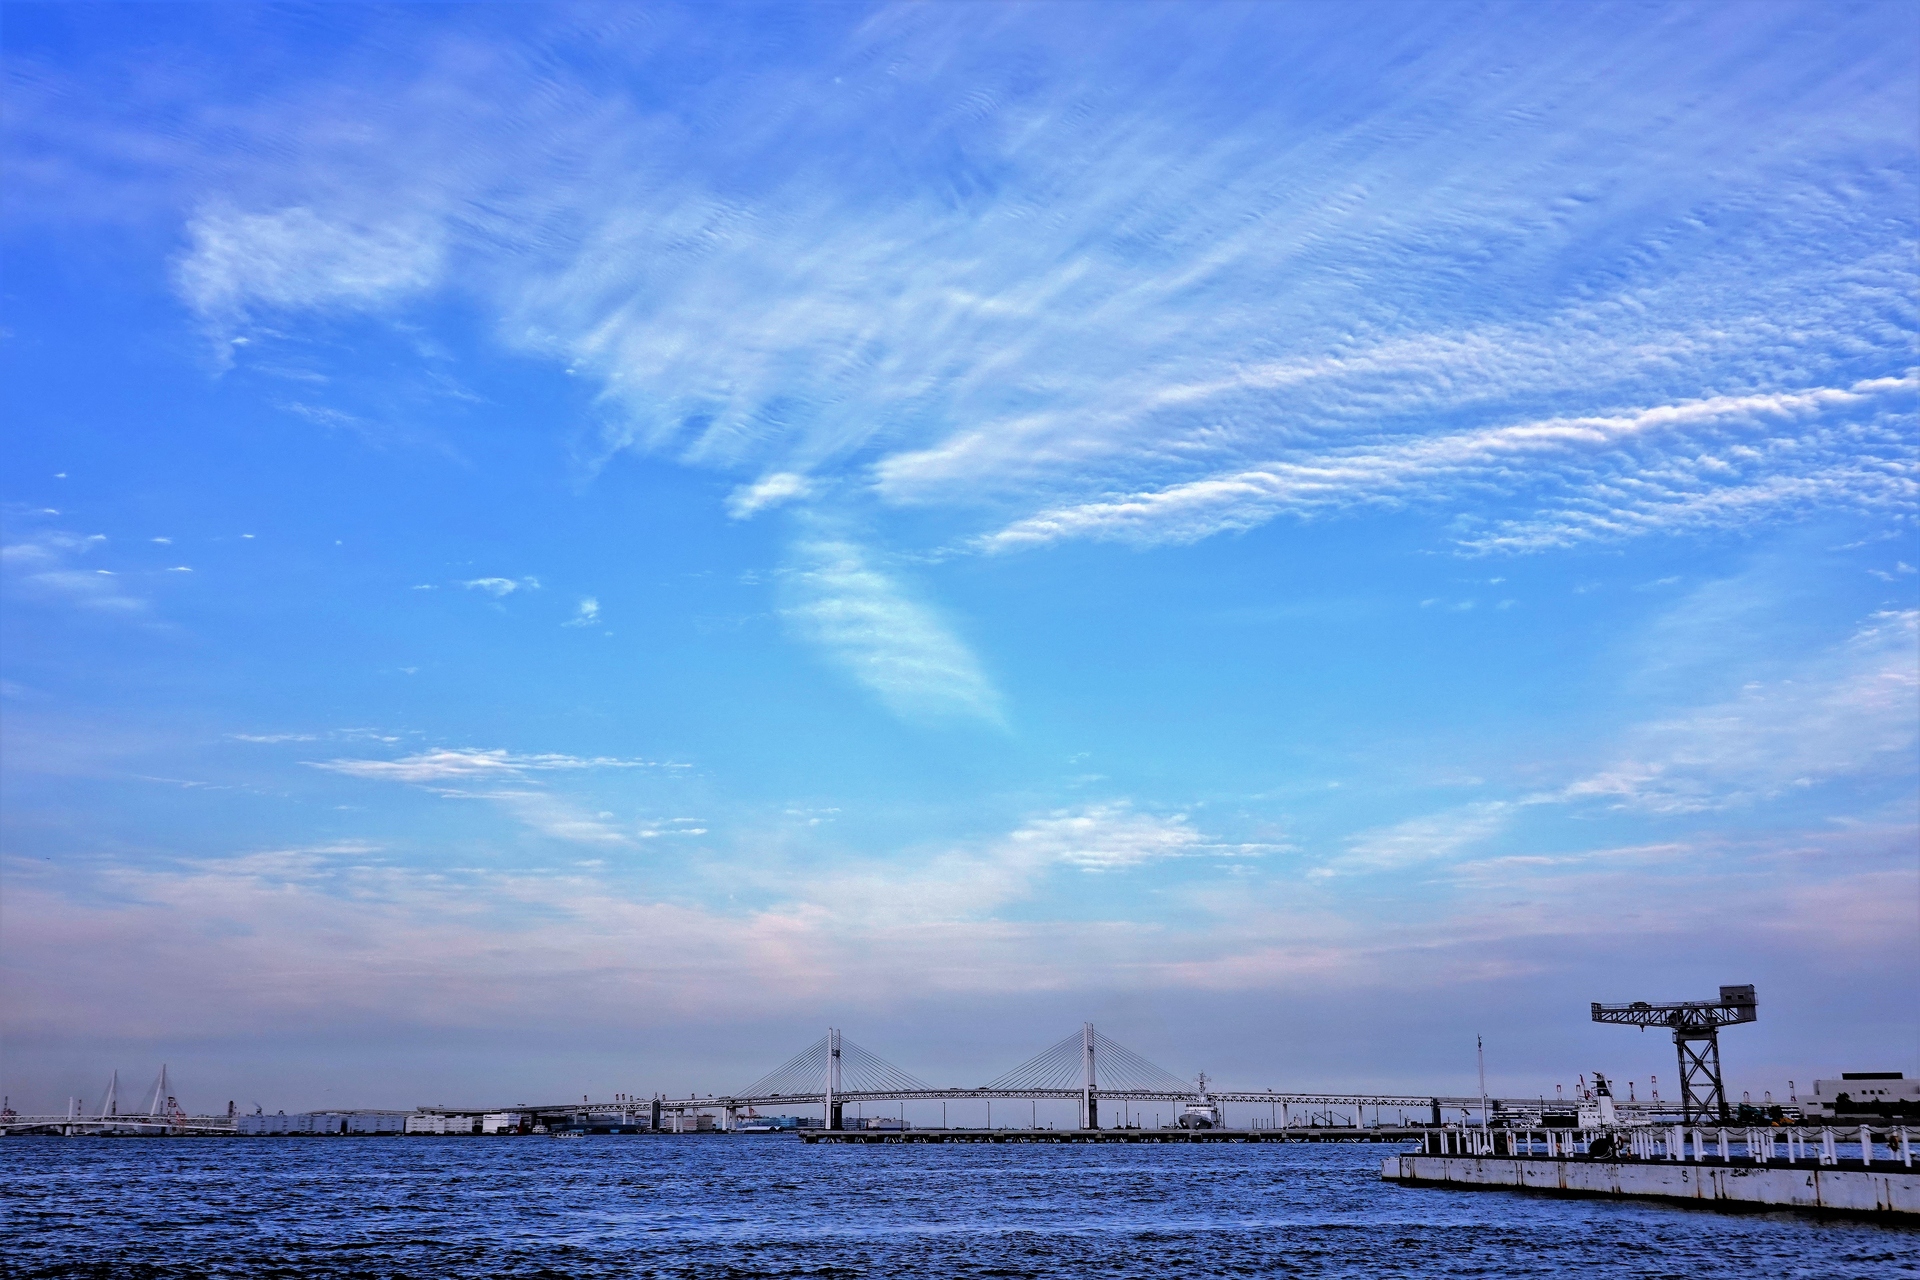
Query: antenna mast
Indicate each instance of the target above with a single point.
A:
(1480, 1051)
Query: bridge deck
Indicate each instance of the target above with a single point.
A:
(882, 1137)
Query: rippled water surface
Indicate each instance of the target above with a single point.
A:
(772, 1206)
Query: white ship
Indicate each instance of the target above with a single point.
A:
(1596, 1105)
(1202, 1113)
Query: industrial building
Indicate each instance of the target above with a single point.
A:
(443, 1125)
(1875, 1094)
(322, 1122)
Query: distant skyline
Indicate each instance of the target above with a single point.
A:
(564, 549)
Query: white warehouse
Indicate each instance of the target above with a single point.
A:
(1863, 1093)
(322, 1122)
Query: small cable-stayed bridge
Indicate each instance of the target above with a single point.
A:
(163, 1115)
(1085, 1067)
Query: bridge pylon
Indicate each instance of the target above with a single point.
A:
(833, 1117)
(1089, 1104)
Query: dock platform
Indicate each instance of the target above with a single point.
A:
(1880, 1191)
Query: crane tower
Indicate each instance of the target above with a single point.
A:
(1696, 1037)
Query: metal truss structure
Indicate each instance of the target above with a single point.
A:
(1696, 1038)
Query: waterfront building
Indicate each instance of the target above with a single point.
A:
(1885, 1095)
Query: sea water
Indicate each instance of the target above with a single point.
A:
(754, 1205)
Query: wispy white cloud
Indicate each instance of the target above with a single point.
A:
(1106, 837)
(768, 491)
(332, 419)
(552, 816)
(1618, 909)
(968, 884)
(1430, 838)
(1069, 292)
(1720, 461)
(897, 646)
(682, 827)
(586, 614)
(295, 257)
(465, 764)
(322, 936)
(1849, 712)
(48, 549)
(46, 565)
(512, 781)
(499, 588)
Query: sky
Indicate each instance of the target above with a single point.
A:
(557, 550)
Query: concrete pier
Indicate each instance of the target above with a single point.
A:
(1885, 1192)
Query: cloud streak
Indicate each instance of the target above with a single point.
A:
(513, 782)
(1853, 711)
(1105, 304)
(501, 588)
(466, 764)
(1723, 461)
(898, 647)
(768, 491)
(1418, 842)
(1109, 837)
(294, 258)
(46, 566)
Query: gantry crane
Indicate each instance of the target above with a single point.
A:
(1696, 1037)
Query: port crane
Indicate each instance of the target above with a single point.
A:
(1696, 1038)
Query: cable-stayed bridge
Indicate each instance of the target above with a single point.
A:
(163, 1116)
(1085, 1067)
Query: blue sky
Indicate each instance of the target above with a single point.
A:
(560, 549)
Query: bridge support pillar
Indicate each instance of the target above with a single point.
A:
(832, 1108)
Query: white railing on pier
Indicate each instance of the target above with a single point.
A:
(1683, 1144)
